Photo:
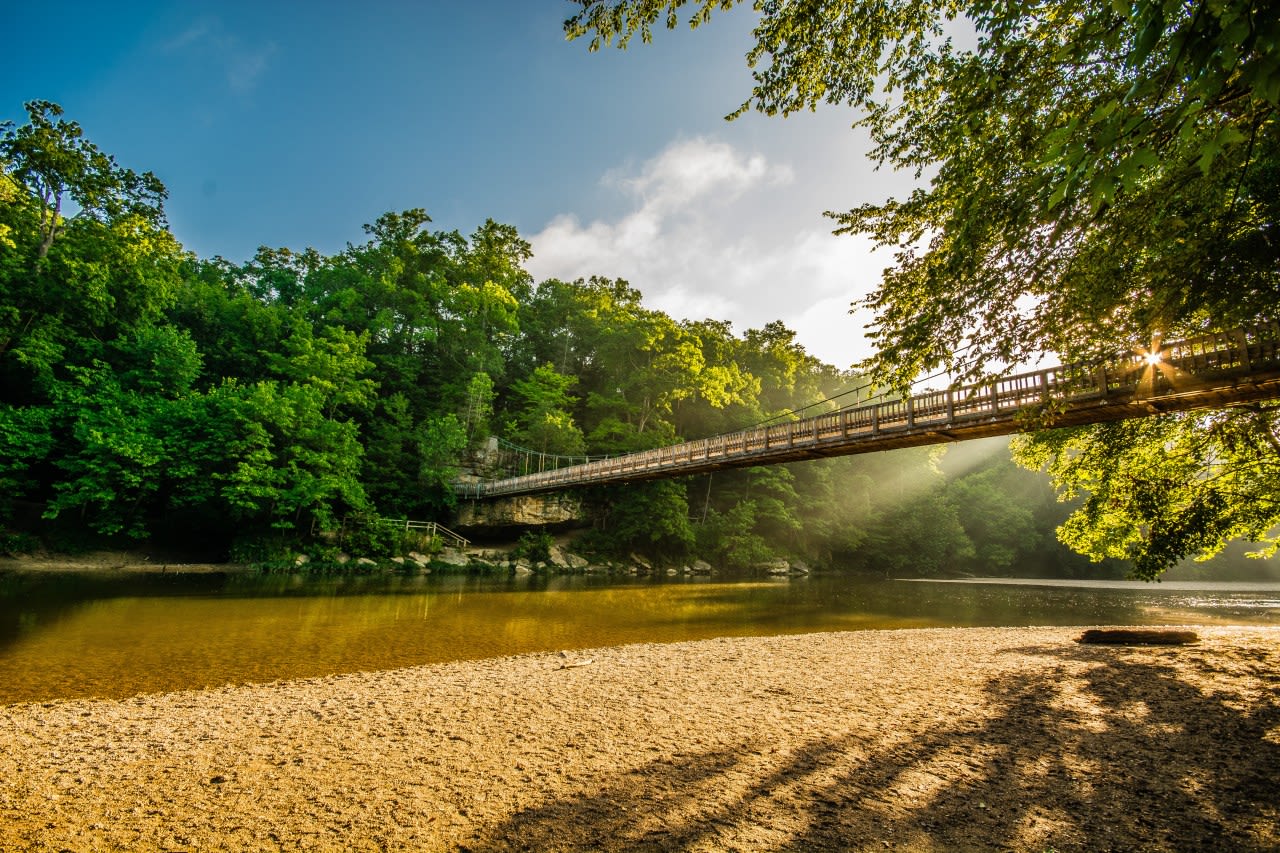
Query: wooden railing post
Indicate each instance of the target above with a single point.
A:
(1242, 341)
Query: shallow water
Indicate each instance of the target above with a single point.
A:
(65, 636)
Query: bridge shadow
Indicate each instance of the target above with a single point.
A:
(1128, 755)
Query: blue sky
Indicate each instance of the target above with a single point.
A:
(293, 124)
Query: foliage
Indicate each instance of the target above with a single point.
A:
(478, 409)
(370, 536)
(71, 280)
(57, 168)
(730, 539)
(440, 441)
(545, 423)
(1150, 495)
(1099, 175)
(26, 441)
(246, 407)
(1072, 136)
(534, 546)
(652, 518)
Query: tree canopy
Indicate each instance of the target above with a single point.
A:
(1091, 176)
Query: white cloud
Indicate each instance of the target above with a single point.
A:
(699, 242)
(242, 64)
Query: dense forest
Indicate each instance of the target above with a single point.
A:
(239, 409)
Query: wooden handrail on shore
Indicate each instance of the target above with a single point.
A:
(1213, 370)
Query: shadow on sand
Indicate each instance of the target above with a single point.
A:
(1126, 756)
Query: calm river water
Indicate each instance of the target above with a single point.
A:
(64, 636)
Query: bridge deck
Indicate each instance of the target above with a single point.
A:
(1206, 372)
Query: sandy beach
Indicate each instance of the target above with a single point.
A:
(949, 739)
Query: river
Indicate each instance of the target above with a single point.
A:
(71, 636)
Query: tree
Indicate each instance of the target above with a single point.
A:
(649, 517)
(52, 162)
(1160, 489)
(545, 422)
(86, 254)
(1099, 175)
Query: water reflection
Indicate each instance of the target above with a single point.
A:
(67, 636)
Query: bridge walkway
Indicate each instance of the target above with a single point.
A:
(1210, 371)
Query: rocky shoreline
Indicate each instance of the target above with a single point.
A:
(479, 560)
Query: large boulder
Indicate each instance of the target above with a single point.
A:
(775, 567)
(452, 557)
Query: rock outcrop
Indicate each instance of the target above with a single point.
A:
(559, 511)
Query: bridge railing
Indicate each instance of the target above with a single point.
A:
(1238, 350)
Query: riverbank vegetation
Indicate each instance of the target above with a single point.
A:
(242, 410)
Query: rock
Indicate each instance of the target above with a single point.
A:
(775, 567)
(561, 557)
(419, 558)
(671, 572)
(301, 560)
(700, 567)
(398, 560)
(452, 557)
(799, 567)
(641, 561)
(365, 561)
(562, 509)
(342, 559)
(523, 567)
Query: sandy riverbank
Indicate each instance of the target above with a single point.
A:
(984, 739)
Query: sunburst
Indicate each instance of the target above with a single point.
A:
(1154, 362)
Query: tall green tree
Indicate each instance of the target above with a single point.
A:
(545, 421)
(87, 255)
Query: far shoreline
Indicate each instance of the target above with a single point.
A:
(108, 563)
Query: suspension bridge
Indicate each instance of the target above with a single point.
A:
(1209, 371)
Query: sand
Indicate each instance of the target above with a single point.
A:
(982, 739)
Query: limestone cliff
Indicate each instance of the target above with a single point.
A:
(504, 515)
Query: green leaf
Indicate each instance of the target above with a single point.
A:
(1059, 193)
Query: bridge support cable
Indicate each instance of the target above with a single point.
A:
(1209, 371)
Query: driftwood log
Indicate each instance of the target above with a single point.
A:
(1137, 637)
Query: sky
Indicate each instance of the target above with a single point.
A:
(292, 124)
